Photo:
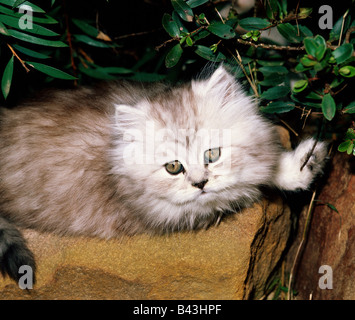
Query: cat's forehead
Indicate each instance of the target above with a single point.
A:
(180, 108)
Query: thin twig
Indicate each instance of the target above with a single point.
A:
(239, 61)
(219, 15)
(342, 27)
(309, 211)
(136, 34)
(348, 33)
(298, 28)
(157, 48)
(18, 58)
(309, 154)
(270, 46)
(289, 127)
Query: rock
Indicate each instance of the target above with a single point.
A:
(331, 237)
(231, 261)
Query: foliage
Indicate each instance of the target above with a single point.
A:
(323, 65)
(310, 75)
(42, 38)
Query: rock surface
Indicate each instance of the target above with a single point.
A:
(230, 261)
(331, 239)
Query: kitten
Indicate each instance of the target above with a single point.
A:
(128, 158)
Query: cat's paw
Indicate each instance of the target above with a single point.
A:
(14, 252)
(313, 160)
(299, 168)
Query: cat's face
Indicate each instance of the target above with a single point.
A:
(188, 153)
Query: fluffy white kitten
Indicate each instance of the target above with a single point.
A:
(127, 158)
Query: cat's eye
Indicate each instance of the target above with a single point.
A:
(212, 155)
(174, 167)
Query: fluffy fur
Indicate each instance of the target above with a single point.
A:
(92, 161)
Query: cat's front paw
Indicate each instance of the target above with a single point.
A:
(311, 156)
(298, 168)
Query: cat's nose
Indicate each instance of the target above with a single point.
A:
(200, 184)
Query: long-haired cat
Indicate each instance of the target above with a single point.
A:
(128, 158)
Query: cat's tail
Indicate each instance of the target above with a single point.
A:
(14, 252)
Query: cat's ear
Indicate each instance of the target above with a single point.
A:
(220, 84)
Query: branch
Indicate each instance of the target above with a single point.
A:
(19, 59)
(270, 46)
(347, 36)
(137, 34)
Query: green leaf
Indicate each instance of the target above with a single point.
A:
(350, 108)
(53, 72)
(350, 134)
(344, 146)
(304, 13)
(268, 70)
(270, 63)
(307, 62)
(301, 68)
(12, 3)
(273, 75)
(46, 20)
(300, 86)
(170, 26)
(17, 3)
(272, 80)
(178, 21)
(314, 96)
(332, 207)
(289, 32)
(189, 41)
(321, 47)
(96, 73)
(3, 30)
(254, 23)
(30, 53)
(278, 107)
(343, 53)
(28, 38)
(305, 102)
(310, 46)
(184, 11)
(36, 29)
(335, 32)
(200, 35)
(347, 71)
(275, 93)
(206, 53)
(195, 3)
(315, 47)
(85, 27)
(304, 31)
(221, 30)
(92, 42)
(283, 4)
(272, 9)
(7, 77)
(117, 70)
(328, 107)
(173, 56)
